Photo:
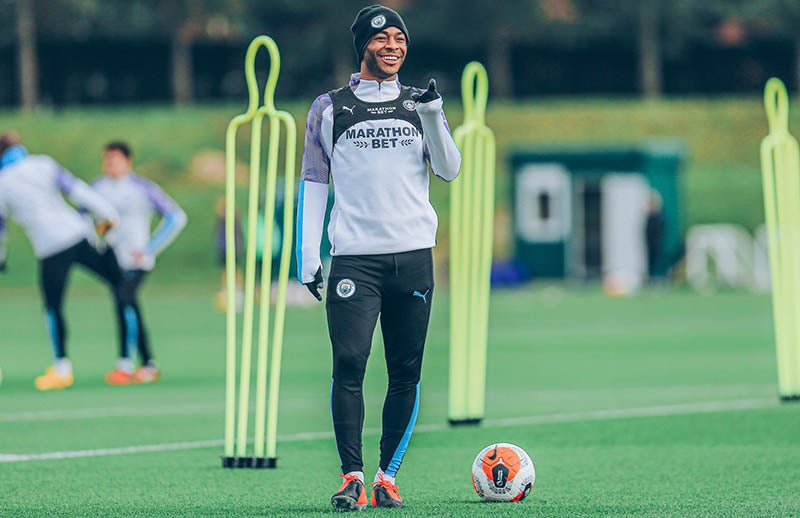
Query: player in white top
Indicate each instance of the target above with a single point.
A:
(377, 141)
(137, 200)
(32, 191)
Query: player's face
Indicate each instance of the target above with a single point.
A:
(115, 163)
(385, 54)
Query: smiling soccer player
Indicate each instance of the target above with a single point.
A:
(375, 139)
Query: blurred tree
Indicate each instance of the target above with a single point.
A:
(659, 28)
(183, 23)
(649, 47)
(776, 18)
(490, 27)
(639, 22)
(187, 22)
(313, 34)
(317, 46)
(27, 63)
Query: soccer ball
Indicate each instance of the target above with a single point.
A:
(503, 472)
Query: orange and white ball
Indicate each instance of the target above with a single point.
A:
(503, 472)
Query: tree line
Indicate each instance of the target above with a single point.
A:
(316, 31)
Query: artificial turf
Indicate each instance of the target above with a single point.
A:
(658, 405)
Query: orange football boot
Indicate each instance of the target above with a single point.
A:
(386, 494)
(351, 495)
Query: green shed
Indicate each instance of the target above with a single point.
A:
(597, 212)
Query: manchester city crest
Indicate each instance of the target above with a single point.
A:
(346, 288)
(379, 21)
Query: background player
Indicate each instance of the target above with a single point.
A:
(137, 200)
(32, 190)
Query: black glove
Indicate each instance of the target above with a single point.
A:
(3, 266)
(315, 285)
(428, 95)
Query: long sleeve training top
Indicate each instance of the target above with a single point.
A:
(375, 144)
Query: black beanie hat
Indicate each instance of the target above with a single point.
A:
(372, 20)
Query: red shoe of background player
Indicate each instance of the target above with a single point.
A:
(118, 377)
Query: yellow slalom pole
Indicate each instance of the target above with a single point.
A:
(458, 290)
(483, 275)
(230, 250)
(249, 287)
(236, 433)
(266, 279)
(475, 217)
(267, 110)
(780, 164)
(266, 432)
(472, 220)
(283, 280)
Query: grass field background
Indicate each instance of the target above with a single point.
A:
(663, 404)
(721, 180)
(659, 405)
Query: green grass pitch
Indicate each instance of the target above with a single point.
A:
(659, 405)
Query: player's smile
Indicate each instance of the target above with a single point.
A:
(385, 53)
(391, 60)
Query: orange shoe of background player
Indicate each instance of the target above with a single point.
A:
(52, 380)
(119, 377)
(385, 494)
(146, 374)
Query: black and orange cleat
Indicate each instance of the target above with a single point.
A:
(385, 494)
(351, 495)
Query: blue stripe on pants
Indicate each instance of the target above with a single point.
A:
(400, 452)
(131, 331)
(334, 426)
(52, 331)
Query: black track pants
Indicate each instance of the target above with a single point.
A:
(399, 289)
(53, 276)
(132, 331)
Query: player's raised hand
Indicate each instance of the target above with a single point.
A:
(315, 285)
(428, 95)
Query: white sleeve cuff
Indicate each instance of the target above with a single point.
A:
(434, 106)
(445, 156)
(311, 205)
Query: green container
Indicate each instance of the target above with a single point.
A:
(562, 213)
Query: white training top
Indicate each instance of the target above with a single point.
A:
(32, 191)
(137, 200)
(375, 144)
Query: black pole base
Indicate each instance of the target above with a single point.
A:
(265, 462)
(465, 422)
(237, 462)
(790, 399)
(249, 462)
